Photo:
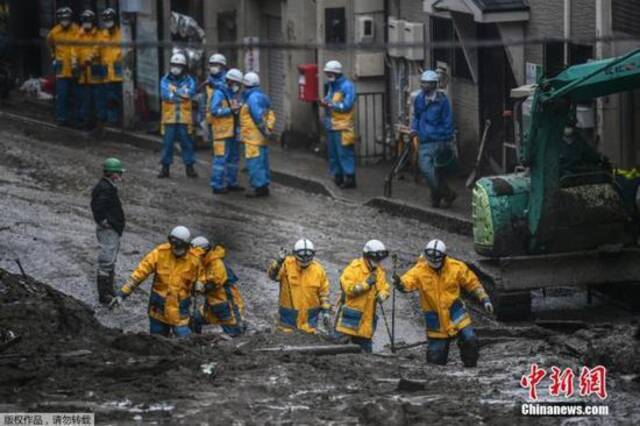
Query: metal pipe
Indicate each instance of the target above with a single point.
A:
(567, 31)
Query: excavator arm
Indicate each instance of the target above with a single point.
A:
(551, 108)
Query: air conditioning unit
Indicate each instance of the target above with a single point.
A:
(414, 34)
(396, 35)
(365, 29)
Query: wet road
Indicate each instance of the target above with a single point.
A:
(46, 179)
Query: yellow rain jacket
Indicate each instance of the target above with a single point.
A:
(112, 55)
(255, 112)
(304, 292)
(223, 304)
(87, 57)
(357, 312)
(220, 116)
(174, 277)
(61, 53)
(444, 312)
(176, 94)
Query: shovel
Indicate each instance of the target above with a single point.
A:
(471, 180)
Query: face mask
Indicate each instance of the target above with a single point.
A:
(235, 88)
(568, 131)
(65, 23)
(214, 69)
(116, 178)
(331, 78)
(428, 87)
(109, 24)
(87, 26)
(176, 70)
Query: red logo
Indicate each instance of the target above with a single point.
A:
(592, 381)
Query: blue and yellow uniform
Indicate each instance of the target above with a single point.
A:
(256, 120)
(176, 93)
(339, 123)
(223, 305)
(170, 296)
(224, 169)
(61, 54)
(361, 284)
(90, 71)
(111, 94)
(304, 293)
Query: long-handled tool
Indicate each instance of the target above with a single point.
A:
(471, 180)
(394, 259)
(386, 323)
(397, 166)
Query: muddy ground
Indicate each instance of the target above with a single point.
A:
(73, 355)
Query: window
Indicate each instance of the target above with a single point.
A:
(442, 31)
(335, 25)
(554, 56)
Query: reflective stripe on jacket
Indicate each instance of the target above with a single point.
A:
(176, 109)
(222, 119)
(443, 309)
(62, 53)
(357, 312)
(342, 98)
(87, 57)
(173, 280)
(223, 301)
(112, 55)
(304, 292)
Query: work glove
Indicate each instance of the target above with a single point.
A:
(117, 300)
(372, 280)
(381, 297)
(360, 288)
(397, 281)
(488, 306)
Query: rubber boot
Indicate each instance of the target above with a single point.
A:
(164, 172)
(338, 180)
(103, 289)
(469, 351)
(191, 172)
(349, 182)
(111, 290)
(448, 196)
(262, 191)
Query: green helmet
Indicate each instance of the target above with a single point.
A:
(112, 165)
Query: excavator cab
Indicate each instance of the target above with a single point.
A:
(559, 220)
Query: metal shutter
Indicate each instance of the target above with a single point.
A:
(276, 76)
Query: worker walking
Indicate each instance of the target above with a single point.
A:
(87, 66)
(175, 270)
(304, 289)
(224, 109)
(363, 285)
(257, 121)
(61, 54)
(110, 222)
(177, 89)
(439, 278)
(339, 104)
(223, 303)
(433, 125)
(110, 92)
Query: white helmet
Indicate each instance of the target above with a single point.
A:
(304, 252)
(179, 238)
(234, 74)
(435, 252)
(251, 79)
(201, 242)
(178, 59)
(334, 67)
(429, 76)
(375, 251)
(218, 58)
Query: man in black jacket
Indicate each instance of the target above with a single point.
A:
(109, 217)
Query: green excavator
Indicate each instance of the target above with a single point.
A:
(543, 226)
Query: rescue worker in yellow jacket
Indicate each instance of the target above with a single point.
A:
(110, 92)
(58, 38)
(364, 285)
(304, 289)
(439, 278)
(223, 304)
(88, 67)
(175, 270)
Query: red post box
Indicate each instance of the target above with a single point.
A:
(308, 82)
